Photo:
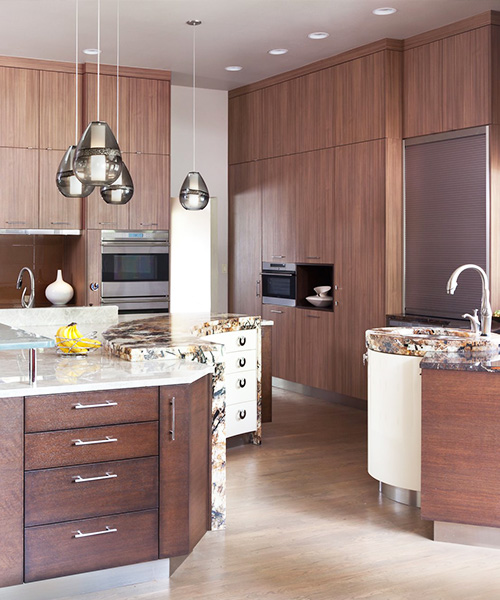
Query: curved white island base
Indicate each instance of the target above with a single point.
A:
(394, 425)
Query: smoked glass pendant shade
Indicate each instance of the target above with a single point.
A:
(194, 192)
(121, 191)
(98, 160)
(67, 182)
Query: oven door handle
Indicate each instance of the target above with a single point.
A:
(134, 249)
(278, 274)
(115, 299)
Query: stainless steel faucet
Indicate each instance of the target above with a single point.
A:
(31, 298)
(486, 312)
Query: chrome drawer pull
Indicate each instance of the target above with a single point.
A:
(105, 441)
(242, 341)
(242, 362)
(278, 256)
(312, 316)
(242, 383)
(80, 479)
(108, 529)
(102, 405)
(242, 414)
(318, 257)
(172, 431)
(278, 312)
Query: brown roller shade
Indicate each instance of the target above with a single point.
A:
(446, 224)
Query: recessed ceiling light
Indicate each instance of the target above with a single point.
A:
(277, 51)
(92, 51)
(384, 11)
(318, 35)
(233, 68)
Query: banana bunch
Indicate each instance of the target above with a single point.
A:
(70, 341)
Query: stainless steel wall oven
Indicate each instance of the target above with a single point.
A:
(279, 283)
(135, 270)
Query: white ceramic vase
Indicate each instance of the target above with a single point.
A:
(59, 292)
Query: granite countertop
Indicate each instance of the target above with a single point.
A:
(462, 361)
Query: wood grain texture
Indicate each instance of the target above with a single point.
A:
(495, 74)
(53, 550)
(277, 118)
(393, 105)
(57, 448)
(99, 215)
(314, 120)
(494, 157)
(19, 99)
(315, 176)
(266, 373)
(37, 64)
(244, 126)
(423, 90)
(94, 266)
(55, 210)
(460, 447)
(466, 79)
(359, 269)
(52, 496)
(125, 71)
(57, 110)
(149, 207)
(11, 491)
(107, 104)
(315, 349)
(57, 411)
(19, 188)
(245, 238)
(283, 339)
(279, 197)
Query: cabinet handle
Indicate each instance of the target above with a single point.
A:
(59, 222)
(318, 257)
(146, 224)
(257, 288)
(80, 479)
(242, 341)
(94, 286)
(79, 405)
(242, 414)
(108, 529)
(172, 431)
(278, 256)
(242, 383)
(312, 316)
(278, 312)
(107, 440)
(107, 222)
(242, 362)
(336, 303)
(48, 148)
(16, 222)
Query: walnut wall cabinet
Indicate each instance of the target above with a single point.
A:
(125, 481)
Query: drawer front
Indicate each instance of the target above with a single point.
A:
(241, 418)
(89, 445)
(65, 548)
(241, 387)
(88, 409)
(69, 493)
(234, 341)
(241, 361)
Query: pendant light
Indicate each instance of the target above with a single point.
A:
(98, 159)
(194, 192)
(122, 190)
(66, 180)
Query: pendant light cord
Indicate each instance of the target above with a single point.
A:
(76, 73)
(98, 55)
(117, 70)
(194, 99)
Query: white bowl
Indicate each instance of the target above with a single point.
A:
(321, 301)
(322, 290)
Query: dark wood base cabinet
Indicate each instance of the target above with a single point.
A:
(111, 478)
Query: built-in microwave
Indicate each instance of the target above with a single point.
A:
(279, 283)
(135, 270)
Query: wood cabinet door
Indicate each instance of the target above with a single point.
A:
(93, 281)
(56, 211)
(149, 207)
(99, 215)
(278, 116)
(279, 191)
(359, 99)
(359, 272)
(11, 491)
(423, 90)
(466, 79)
(107, 102)
(244, 127)
(283, 340)
(185, 463)
(19, 99)
(245, 236)
(19, 188)
(57, 110)
(315, 207)
(315, 348)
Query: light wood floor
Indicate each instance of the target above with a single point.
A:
(305, 522)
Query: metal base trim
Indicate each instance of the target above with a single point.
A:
(307, 390)
(401, 495)
(470, 535)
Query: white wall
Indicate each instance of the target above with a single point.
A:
(198, 281)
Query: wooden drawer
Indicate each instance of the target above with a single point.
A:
(241, 418)
(87, 409)
(69, 493)
(241, 387)
(235, 341)
(89, 445)
(56, 550)
(241, 361)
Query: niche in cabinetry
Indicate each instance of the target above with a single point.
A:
(309, 277)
